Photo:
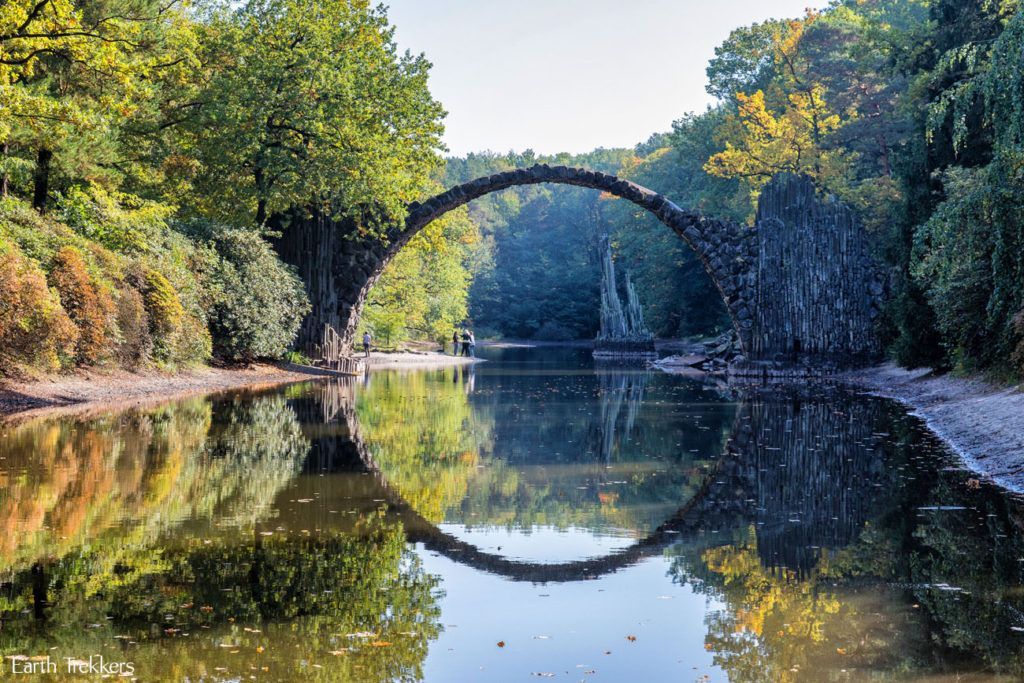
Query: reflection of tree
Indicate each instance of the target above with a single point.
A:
(846, 568)
(276, 600)
(422, 433)
(79, 479)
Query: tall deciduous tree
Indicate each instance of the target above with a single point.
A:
(310, 103)
(72, 75)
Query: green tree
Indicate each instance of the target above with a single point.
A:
(307, 107)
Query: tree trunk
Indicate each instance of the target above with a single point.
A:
(41, 179)
(5, 150)
(40, 584)
(261, 195)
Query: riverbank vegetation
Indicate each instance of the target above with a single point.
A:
(145, 148)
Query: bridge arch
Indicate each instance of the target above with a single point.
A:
(800, 285)
(725, 249)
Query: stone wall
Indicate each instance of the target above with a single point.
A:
(818, 291)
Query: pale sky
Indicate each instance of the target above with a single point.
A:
(570, 75)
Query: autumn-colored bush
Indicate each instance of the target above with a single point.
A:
(90, 308)
(193, 343)
(34, 328)
(165, 313)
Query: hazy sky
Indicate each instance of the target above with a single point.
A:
(570, 75)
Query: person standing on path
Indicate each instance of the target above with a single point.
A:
(455, 343)
(465, 342)
(366, 343)
(472, 345)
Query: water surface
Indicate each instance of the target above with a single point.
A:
(530, 517)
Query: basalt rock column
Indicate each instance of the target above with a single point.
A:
(818, 289)
(337, 265)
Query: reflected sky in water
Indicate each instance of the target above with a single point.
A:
(530, 516)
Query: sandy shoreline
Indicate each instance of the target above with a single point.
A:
(983, 423)
(90, 388)
(108, 389)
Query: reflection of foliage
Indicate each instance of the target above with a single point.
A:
(425, 437)
(779, 627)
(80, 478)
(932, 583)
(358, 605)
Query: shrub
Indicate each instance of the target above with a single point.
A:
(135, 344)
(164, 310)
(256, 302)
(34, 329)
(90, 308)
(192, 343)
(118, 221)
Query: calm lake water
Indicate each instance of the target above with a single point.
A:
(531, 517)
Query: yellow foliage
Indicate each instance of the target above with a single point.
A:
(786, 129)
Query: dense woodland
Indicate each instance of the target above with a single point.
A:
(146, 146)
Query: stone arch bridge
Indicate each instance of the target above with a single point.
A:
(799, 284)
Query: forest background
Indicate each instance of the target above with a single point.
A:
(145, 146)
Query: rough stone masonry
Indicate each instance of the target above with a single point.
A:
(800, 285)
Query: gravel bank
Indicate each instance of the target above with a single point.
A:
(416, 359)
(85, 389)
(983, 423)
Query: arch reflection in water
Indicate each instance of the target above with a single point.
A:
(804, 472)
(201, 531)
